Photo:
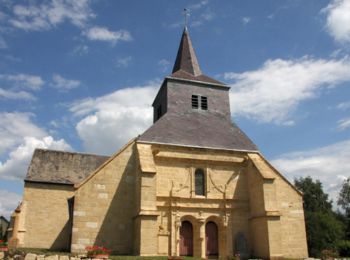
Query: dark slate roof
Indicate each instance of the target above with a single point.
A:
(62, 167)
(180, 74)
(186, 64)
(198, 130)
(186, 59)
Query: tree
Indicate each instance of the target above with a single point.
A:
(323, 229)
(344, 197)
(344, 203)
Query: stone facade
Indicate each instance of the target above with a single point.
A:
(44, 219)
(192, 184)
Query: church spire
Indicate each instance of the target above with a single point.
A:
(186, 59)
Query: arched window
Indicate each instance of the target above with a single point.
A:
(199, 182)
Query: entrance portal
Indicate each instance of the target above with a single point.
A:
(186, 239)
(211, 239)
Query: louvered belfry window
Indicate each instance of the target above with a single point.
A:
(204, 103)
(199, 102)
(195, 101)
(199, 182)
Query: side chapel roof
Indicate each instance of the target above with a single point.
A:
(60, 167)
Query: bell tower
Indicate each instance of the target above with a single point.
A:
(193, 109)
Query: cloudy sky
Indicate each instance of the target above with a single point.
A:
(81, 75)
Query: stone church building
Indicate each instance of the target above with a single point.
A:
(193, 184)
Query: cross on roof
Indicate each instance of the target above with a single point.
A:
(186, 14)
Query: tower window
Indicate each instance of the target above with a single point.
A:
(195, 101)
(199, 182)
(204, 103)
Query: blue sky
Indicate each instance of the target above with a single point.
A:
(81, 76)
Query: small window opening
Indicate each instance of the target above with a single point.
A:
(195, 101)
(159, 112)
(204, 103)
(199, 182)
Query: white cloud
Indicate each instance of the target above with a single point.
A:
(338, 20)
(123, 62)
(14, 127)
(343, 124)
(198, 5)
(46, 16)
(81, 49)
(97, 33)
(32, 82)
(164, 65)
(16, 165)
(64, 84)
(110, 121)
(329, 164)
(16, 95)
(246, 20)
(19, 137)
(273, 92)
(198, 14)
(344, 105)
(206, 16)
(8, 203)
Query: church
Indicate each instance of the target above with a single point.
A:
(193, 184)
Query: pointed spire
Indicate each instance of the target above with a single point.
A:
(186, 59)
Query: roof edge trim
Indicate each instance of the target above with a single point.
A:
(280, 174)
(48, 182)
(77, 186)
(201, 147)
(199, 82)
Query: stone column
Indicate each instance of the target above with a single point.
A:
(226, 231)
(202, 237)
(176, 235)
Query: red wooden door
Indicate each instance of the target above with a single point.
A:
(211, 239)
(186, 239)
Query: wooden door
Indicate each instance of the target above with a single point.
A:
(186, 239)
(211, 239)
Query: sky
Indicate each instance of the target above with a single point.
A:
(81, 76)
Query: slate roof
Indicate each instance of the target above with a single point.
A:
(207, 130)
(60, 167)
(186, 64)
(198, 130)
(180, 74)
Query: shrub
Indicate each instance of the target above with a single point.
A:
(97, 250)
(329, 254)
(344, 248)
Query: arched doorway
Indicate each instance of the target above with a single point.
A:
(186, 239)
(211, 239)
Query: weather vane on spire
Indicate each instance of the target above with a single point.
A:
(186, 14)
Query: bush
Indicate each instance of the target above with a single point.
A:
(329, 254)
(344, 248)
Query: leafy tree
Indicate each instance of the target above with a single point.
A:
(344, 197)
(344, 203)
(315, 200)
(323, 229)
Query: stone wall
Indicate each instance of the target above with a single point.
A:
(225, 201)
(104, 205)
(277, 218)
(45, 216)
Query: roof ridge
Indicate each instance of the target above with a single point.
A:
(70, 152)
